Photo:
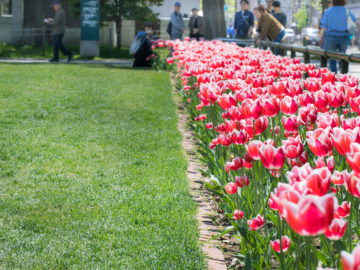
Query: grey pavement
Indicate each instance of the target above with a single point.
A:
(45, 61)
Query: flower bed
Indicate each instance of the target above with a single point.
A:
(281, 142)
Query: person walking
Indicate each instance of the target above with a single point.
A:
(196, 25)
(278, 14)
(177, 23)
(334, 29)
(59, 25)
(244, 21)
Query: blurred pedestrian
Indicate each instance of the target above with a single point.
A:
(196, 25)
(244, 21)
(334, 29)
(329, 5)
(269, 6)
(269, 27)
(177, 23)
(143, 52)
(278, 14)
(59, 25)
(230, 31)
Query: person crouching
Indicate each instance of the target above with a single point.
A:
(144, 53)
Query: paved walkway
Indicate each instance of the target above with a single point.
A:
(45, 61)
(353, 69)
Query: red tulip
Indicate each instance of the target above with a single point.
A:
(353, 185)
(226, 101)
(253, 149)
(319, 142)
(238, 214)
(260, 125)
(272, 158)
(353, 157)
(338, 178)
(318, 181)
(330, 163)
(312, 215)
(307, 115)
(336, 99)
(201, 117)
(290, 124)
(325, 120)
(256, 223)
(336, 230)
(321, 100)
(284, 192)
(342, 139)
(343, 210)
(292, 147)
(285, 244)
(288, 105)
(242, 181)
(209, 125)
(231, 188)
(355, 104)
(351, 261)
(297, 174)
(239, 137)
(271, 107)
(234, 165)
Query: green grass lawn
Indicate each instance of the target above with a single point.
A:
(10, 51)
(92, 174)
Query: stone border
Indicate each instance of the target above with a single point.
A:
(215, 257)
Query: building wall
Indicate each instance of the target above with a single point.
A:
(5, 29)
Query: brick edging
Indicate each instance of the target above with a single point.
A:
(215, 257)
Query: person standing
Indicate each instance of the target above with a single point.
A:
(334, 29)
(269, 6)
(196, 25)
(177, 23)
(59, 24)
(278, 14)
(244, 21)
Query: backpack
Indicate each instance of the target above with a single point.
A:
(135, 45)
(350, 24)
(169, 28)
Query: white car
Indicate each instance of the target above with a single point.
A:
(290, 35)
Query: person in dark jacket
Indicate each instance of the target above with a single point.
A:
(59, 24)
(244, 21)
(196, 25)
(278, 14)
(144, 54)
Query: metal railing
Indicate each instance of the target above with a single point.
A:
(307, 52)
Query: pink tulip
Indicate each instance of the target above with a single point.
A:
(285, 244)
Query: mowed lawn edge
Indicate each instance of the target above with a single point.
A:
(92, 174)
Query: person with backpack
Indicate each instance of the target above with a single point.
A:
(196, 25)
(176, 25)
(141, 47)
(244, 21)
(337, 24)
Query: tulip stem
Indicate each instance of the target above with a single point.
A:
(326, 241)
(309, 260)
(350, 223)
(281, 247)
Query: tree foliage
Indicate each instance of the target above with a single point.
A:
(301, 17)
(118, 10)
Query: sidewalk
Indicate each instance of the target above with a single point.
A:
(45, 61)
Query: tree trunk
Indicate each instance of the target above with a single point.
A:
(118, 23)
(214, 18)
